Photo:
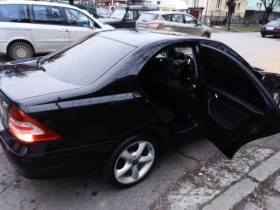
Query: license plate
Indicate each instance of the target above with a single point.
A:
(270, 28)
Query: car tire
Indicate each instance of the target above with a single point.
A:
(127, 165)
(20, 50)
(206, 35)
(276, 96)
(263, 35)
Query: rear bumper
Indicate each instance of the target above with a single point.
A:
(51, 164)
(270, 32)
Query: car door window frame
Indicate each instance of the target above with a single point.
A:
(65, 10)
(133, 12)
(172, 16)
(185, 21)
(227, 50)
(34, 21)
(241, 66)
(96, 25)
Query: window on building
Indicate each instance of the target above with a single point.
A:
(195, 3)
(238, 6)
(218, 3)
(260, 6)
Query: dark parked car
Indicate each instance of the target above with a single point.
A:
(94, 11)
(126, 17)
(68, 111)
(271, 28)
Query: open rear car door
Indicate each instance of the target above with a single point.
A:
(234, 106)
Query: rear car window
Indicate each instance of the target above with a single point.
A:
(14, 13)
(273, 23)
(174, 18)
(147, 17)
(86, 60)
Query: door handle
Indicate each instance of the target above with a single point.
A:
(71, 32)
(63, 30)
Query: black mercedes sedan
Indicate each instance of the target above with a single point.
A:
(115, 99)
(271, 28)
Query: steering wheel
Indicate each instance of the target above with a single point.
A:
(179, 60)
(188, 74)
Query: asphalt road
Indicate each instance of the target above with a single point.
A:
(92, 192)
(258, 51)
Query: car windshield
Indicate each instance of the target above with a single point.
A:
(98, 55)
(118, 14)
(273, 23)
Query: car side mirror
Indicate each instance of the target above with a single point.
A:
(199, 24)
(91, 26)
(258, 75)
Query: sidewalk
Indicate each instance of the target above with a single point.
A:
(265, 197)
(251, 181)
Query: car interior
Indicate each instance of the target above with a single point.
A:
(169, 82)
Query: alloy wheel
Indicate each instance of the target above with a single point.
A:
(134, 162)
(21, 52)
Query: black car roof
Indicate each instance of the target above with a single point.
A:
(136, 38)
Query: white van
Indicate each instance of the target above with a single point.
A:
(32, 27)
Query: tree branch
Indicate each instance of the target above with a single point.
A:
(276, 3)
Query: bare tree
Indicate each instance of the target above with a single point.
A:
(269, 6)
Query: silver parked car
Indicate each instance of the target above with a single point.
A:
(172, 22)
(32, 27)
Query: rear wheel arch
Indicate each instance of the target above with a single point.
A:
(206, 34)
(161, 141)
(22, 41)
(112, 161)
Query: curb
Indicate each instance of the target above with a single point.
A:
(235, 194)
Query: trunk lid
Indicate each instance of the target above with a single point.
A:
(23, 80)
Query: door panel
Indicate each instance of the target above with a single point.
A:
(179, 25)
(130, 19)
(235, 108)
(48, 31)
(191, 26)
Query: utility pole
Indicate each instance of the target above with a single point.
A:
(206, 11)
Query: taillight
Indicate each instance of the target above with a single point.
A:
(27, 129)
(155, 24)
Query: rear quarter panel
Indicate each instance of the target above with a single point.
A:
(14, 31)
(95, 119)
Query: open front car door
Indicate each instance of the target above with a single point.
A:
(235, 107)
